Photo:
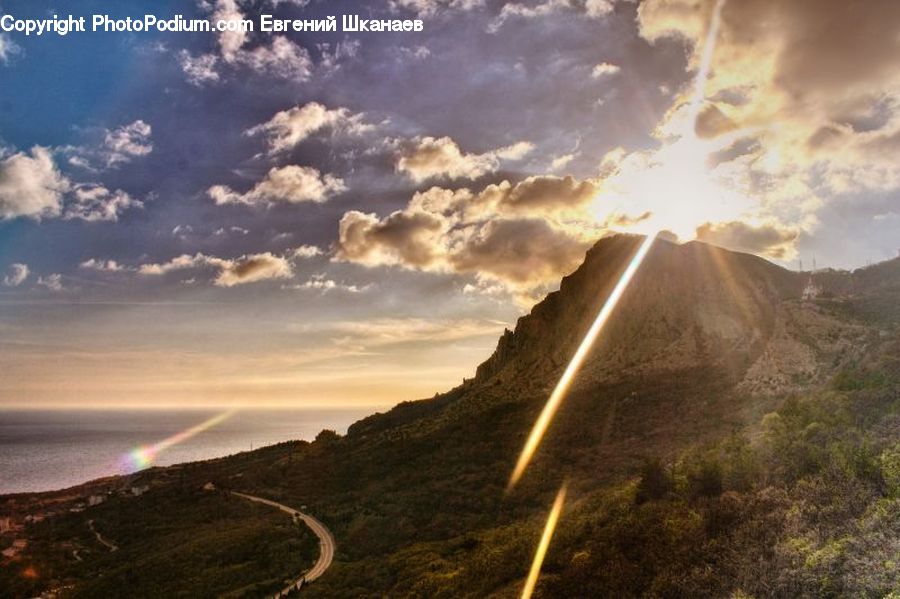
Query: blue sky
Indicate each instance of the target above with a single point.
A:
(352, 218)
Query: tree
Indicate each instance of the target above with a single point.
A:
(655, 482)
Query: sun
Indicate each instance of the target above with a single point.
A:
(678, 184)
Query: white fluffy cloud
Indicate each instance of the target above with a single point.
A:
(114, 147)
(801, 104)
(427, 8)
(8, 48)
(94, 203)
(592, 8)
(562, 161)
(199, 70)
(52, 282)
(128, 142)
(321, 282)
(598, 8)
(251, 268)
(428, 157)
(290, 127)
(102, 265)
(605, 69)
(307, 251)
(291, 184)
(280, 58)
(16, 274)
(522, 236)
(31, 185)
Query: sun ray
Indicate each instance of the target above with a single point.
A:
(544, 544)
(575, 364)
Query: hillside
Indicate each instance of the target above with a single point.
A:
(724, 437)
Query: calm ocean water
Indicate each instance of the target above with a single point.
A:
(46, 450)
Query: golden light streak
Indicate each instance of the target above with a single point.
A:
(709, 48)
(544, 545)
(575, 364)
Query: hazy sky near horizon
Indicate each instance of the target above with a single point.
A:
(330, 218)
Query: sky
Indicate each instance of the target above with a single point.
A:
(352, 218)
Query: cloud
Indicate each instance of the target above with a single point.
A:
(291, 184)
(414, 53)
(546, 195)
(592, 8)
(102, 265)
(524, 252)
(598, 8)
(199, 70)
(525, 11)
(332, 56)
(320, 282)
(280, 58)
(31, 185)
(413, 239)
(769, 239)
(825, 131)
(52, 282)
(428, 8)
(16, 274)
(8, 49)
(230, 42)
(128, 142)
(561, 162)
(307, 251)
(388, 331)
(522, 236)
(115, 147)
(226, 230)
(426, 158)
(95, 203)
(290, 127)
(605, 69)
(251, 268)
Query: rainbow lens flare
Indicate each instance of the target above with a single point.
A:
(144, 456)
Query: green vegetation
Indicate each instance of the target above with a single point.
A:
(803, 504)
(172, 542)
(683, 482)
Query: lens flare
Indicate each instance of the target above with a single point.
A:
(544, 545)
(709, 48)
(144, 456)
(575, 364)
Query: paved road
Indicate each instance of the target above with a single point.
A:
(326, 541)
(109, 544)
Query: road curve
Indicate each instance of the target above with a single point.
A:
(106, 542)
(326, 541)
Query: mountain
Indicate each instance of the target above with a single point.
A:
(726, 437)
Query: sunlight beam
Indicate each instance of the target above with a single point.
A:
(565, 381)
(544, 545)
(709, 48)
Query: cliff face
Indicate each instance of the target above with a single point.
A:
(688, 306)
(691, 310)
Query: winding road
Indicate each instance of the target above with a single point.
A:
(326, 542)
(107, 543)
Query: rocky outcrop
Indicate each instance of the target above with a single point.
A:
(689, 306)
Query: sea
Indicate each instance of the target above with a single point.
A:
(49, 450)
